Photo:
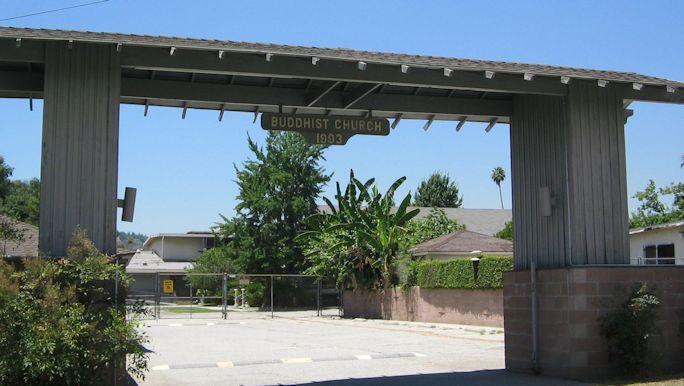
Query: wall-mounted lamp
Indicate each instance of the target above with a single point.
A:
(475, 260)
(546, 201)
(128, 204)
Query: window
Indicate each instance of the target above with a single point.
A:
(659, 254)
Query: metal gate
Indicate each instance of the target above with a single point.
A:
(236, 296)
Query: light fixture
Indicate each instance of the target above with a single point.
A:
(565, 79)
(315, 60)
(602, 83)
(489, 74)
(448, 72)
(269, 57)
(172, 51)
(362, 66)
(637, 86)
(528, 76)
(404, 68)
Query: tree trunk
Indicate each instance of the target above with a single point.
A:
(501, 197)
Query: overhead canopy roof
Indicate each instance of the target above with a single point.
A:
(229, 75)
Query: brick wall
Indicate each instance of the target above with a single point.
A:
(570, 304)
(434, 305)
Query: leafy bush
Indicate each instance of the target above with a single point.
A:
(58, 323)
(629, 328)
(460, 273)
(507, 232)
(254, 293)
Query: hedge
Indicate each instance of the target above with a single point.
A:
(459, 273)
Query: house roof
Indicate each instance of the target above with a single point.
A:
(150, 262)
(28, 247)
(485, 221)
(463, 242)
(189, 235)
(336, 54)
(669, 225)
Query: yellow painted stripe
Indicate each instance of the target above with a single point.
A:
(296, 360)
(224, 364)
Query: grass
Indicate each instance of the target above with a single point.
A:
(188, 310)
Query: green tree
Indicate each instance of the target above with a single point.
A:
(22, 201)
(498, 175)
(361, 237)
(5, 173)
(214, 260)
(507, 231)
(438, 191)
(652, 210)
(277, 192)
(435, 224)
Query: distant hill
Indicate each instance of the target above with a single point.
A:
(130, 240)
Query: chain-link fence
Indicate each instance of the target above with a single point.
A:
(235, 296)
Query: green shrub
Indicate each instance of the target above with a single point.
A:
(460, 273)
(254, 293)
(58, 323)
(628, 329)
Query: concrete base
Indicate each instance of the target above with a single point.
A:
(570, 302)
(432, 305)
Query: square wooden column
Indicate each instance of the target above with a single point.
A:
(80, 145)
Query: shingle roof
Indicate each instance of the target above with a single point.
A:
(463, 242)
(150, 262)
(28, 247)
(485, 221)
(336, 54)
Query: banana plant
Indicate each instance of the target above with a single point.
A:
(366, 230)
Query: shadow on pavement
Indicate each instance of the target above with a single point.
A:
(470, 378)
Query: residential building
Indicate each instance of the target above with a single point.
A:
(25, 246)
(164, 255)
(462, 244)
(657, 244)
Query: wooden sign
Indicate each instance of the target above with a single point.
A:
(325, 129)
(167, 286)
(244, 280)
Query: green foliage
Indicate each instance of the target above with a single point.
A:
(214, 260)
(438, 191)
(278, 191)
(9, 232)
(498, 175)
(629, 328)
(358, 242)
(460, 273)
(22, 201)
(5, 173)
(58, 324)
(255, 293)
(435, 224)
(653, 211)
(507, 232)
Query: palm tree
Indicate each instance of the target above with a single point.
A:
(498, 175)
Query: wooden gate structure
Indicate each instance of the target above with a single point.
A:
(567, 148)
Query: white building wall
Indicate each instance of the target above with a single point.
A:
(638, 241)
(177, 248)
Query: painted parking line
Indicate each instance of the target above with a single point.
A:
(296, 360)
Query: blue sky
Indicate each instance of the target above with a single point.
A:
(183, 169)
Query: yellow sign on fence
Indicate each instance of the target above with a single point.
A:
(167, 286)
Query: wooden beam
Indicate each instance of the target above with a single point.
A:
(252, 64)
(297, 98)
(14, 81)
(323, 93)
(359, 94)
(28, 51)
